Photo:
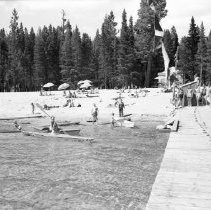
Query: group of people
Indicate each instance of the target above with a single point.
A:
(201, 95)
(119, 103)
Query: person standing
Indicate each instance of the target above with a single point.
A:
(121, 108)
(94, 113)
(180, 96)
(189, 95)
(203, 95)
(198, 95)
(209, 94)
(32, 104)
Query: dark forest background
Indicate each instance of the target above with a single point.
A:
(113, 58)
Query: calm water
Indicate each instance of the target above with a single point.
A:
(116, 172)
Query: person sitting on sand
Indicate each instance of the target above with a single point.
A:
(95, 113)
(53, 126)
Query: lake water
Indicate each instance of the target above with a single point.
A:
(116, 172)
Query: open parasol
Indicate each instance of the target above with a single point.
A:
(63, 86)
(48, 85)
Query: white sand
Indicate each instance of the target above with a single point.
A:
(19, 104)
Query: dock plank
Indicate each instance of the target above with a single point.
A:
(184, 179)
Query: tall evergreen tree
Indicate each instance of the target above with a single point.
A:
(28, 59)
(175, 41)
(202, 55)
(193, 40)
(185, 59)
(68, 72)
(40, 60)
(209, 58)
(3, 60)
(145, 36)
(108, 54)
(15, 70)
(123, 76)
(169, 45)
(76, 50)
(86, 57)
(95, 65)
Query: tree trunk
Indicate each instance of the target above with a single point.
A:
(148, 73)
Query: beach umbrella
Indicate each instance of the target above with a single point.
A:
(80, 82)
(48, 85)
(63, 86)
(85, 85)
(87, 81)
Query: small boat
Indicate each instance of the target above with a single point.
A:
(9, 131)
(52, 135)
(125, 123)
(55, 135)
(21, 117)
(69, 131)
(67, 123)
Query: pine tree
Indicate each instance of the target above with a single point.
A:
(67, 69)
(175, 42)
(29, 59)
(145, 36)
(40, 60)
(95, 65)
(209, 59)
(123, 76)
(76, 50)
(53, 55)
(185, 58)
(193, 40)
(108, 54)
(15, 70)
(86, 57)
(168, 43)
(202, 55)
(3, 60)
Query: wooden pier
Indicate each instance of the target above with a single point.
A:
(184, 179)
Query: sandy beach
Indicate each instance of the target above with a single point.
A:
(116, 172)
(19, 104)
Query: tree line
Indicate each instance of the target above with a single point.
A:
(195, 54)
(114, 58)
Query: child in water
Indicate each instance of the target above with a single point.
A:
(113, 120)
(95, 113)
(53, 126)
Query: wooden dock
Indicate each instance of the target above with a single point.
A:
(184, 179)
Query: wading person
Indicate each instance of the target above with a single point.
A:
(94, 113)
(121, 108)
(113, 121)
(53, 126)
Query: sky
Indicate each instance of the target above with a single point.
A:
(88, 15)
